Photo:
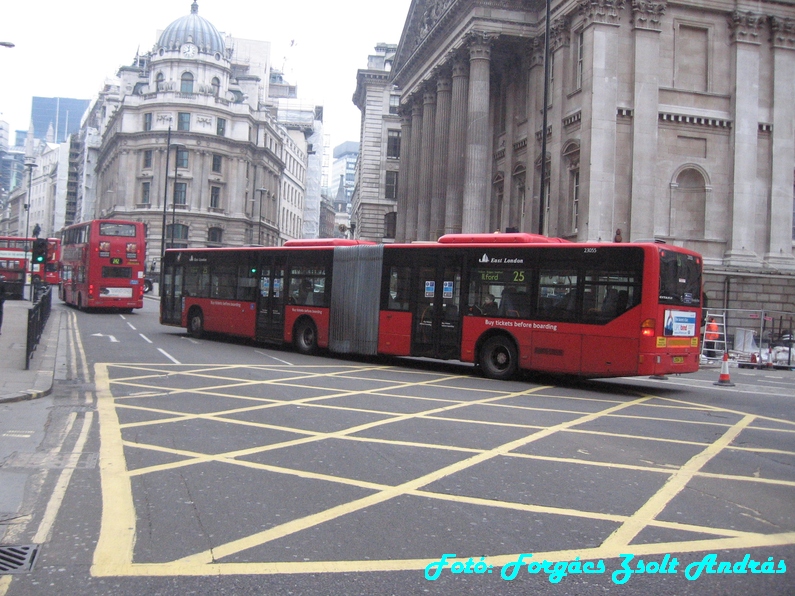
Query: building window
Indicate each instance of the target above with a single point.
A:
(394, 104)
(393, 144)
(182, 158)
(575, 200)
(391, 185)
(186, 85)
(217, 161)
(183, 121)
(181, 193)
(148, 121)
(215, 236)
(390, 224)
(177, 235)
(220, 127)
(145, 189)
(159, 79)
(579, 58)
(148, 158)
(215, 197)
(216, 86)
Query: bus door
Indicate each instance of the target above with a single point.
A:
(437, 314)
(171, 294)
(270, 301)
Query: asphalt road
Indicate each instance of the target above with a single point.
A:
(169, 465)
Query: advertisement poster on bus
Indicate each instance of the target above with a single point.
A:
(680, 323)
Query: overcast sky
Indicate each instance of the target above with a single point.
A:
(68, 48)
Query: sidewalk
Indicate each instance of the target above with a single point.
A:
(16, 383)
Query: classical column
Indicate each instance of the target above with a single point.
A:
(646, 19)
(600, 92)
(535, 102)
(744, 137)
(779, 248)
(478, 155)
(426, 164)
(403, 174)
(414, 171)
(559, 42)
(441, 143)
(456, 150)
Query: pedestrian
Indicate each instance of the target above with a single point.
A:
(711, 337)
(2, 299)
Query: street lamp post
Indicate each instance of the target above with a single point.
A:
(30, 163)
(542, 197)
(178, 146)
(261, 192)
(165, 202)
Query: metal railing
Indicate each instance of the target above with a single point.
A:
(37, 319)
(758, 336)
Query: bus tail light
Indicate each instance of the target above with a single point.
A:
(91, 291)
(647, 327)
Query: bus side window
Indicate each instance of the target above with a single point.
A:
(399, 288)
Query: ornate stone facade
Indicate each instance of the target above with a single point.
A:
(191, 146)
(669, 121)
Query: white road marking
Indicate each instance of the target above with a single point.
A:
(146, 339)
(274, 358)
(169, 356)
(112, 338)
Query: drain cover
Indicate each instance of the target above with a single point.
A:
(17, 559)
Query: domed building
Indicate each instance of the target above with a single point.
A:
(187, 142)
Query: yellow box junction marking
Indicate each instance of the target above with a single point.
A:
(115, 549)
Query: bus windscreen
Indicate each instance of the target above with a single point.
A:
(680, 278)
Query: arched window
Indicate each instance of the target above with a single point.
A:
(216, 86)
(688, 204)
(187, 83)
(159, 81)
(571, 157)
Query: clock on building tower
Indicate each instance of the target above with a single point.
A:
(189, 50)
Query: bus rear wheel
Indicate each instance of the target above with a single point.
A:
(498, 358)
(196, 323)
(305, 337)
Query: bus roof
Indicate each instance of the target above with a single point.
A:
(327, 242)
(497, 238)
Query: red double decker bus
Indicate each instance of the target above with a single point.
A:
(102, 264)
(16, 255)
(502, 301)
(52, 266)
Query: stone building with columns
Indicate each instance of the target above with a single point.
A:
(666, 120)
(189, 142)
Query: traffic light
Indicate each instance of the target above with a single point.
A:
(40, 250)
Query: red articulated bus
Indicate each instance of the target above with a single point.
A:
(102, 264)
(502, 301)
(16, 255)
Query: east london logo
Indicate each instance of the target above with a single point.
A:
(485, 259)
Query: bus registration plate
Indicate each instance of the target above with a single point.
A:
(679, 359)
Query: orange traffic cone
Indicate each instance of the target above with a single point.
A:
(724, 379)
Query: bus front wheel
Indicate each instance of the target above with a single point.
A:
(195, 323)
(498, 358)
(305, 337)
